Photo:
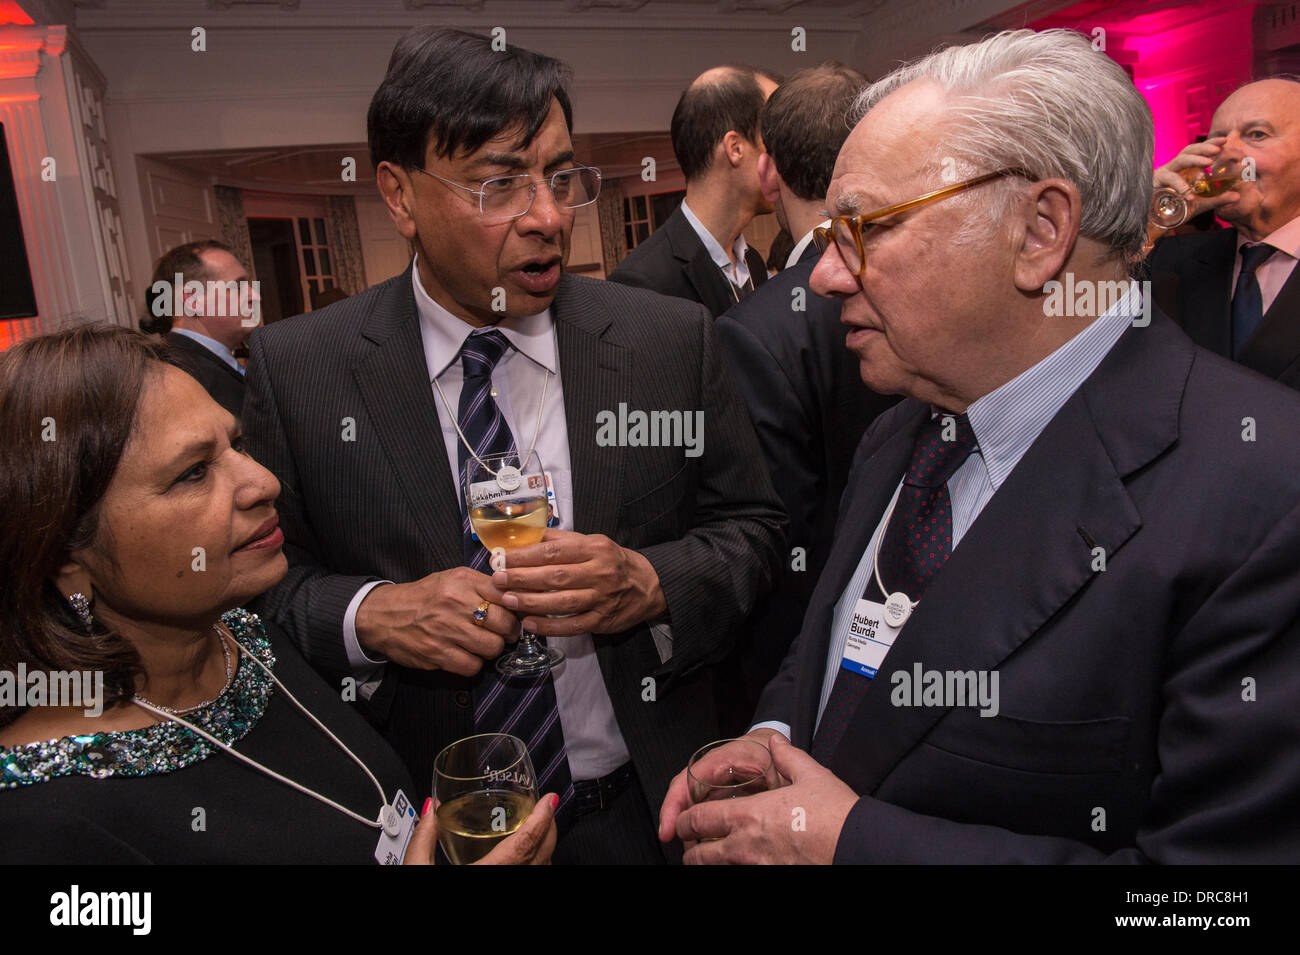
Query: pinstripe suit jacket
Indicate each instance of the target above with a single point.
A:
(385, 505)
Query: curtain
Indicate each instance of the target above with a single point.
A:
(609, 206)
(234, 225)
(345, 244)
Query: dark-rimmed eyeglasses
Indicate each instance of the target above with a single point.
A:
(845, 232)
(509, 197)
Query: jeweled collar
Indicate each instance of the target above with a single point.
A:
(162, 747)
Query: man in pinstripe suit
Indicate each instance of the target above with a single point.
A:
(362, 408)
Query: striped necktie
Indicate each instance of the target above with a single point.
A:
(525, 707)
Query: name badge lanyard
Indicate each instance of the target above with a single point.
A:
(389, 821)
(509, 476)
(898, 606)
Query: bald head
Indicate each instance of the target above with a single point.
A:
(720, 100)
(1260, 122)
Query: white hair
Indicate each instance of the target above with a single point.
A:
(1049, 104)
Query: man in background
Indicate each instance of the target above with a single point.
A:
(699, 252)
(209, 325)
(785, 345)
(1237, 291)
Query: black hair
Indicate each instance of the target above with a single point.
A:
(453, 89)
(804, 124)
(708, 111)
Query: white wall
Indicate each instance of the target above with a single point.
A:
(270, 77)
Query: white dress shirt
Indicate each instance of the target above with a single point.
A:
(736, 272)
(1006, 423)
(797, 251)
(592, 739)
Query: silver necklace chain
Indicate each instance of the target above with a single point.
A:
(383, 800)
(537, 429)
(230, 673)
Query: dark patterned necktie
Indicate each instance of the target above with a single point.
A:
(521, 707)
(917, 542)
(1247, 299)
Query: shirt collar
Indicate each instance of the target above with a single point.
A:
(797, 252)
(444, 334)
(1009, 419)
(212, 345)
(740, 269)
(1286, 238)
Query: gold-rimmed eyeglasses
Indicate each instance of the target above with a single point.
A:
(845, 232)
(509, 197)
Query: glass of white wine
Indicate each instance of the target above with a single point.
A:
(1169, 210)
(484, 788)
(506, 497)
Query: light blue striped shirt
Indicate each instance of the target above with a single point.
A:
(1006, 422)
(212, 345)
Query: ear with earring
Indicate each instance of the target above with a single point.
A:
(81, 604)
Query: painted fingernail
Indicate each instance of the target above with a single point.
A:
(427, 804)
(555, 801)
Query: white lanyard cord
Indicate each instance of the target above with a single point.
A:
(875, 558)
(537, 429)
(383, 800)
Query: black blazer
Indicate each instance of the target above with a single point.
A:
(386, 505)
(805, 395)
(673, 261)
(1191, 280)
(1119, 689)
(223, 383)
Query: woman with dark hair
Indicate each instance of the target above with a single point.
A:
(136, 527)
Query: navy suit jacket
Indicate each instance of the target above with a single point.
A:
(1191, 280)
(673, 261)
(1147, 710)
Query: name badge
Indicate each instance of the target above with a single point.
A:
(392, 849)
(870, 637)
(553, 520)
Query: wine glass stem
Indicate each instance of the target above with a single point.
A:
(528, 649)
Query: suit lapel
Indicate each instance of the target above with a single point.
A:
(1205, 294)
(757, 267)
(1275, 346)
(1031, 548)
(698, 266)
(865, 503)
(591, 369)
(394, 384)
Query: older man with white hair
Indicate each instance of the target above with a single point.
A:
(1061, 616)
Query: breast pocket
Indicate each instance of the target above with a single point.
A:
(1035, 746)
(661, 500)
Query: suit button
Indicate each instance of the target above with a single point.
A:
(462, 698)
